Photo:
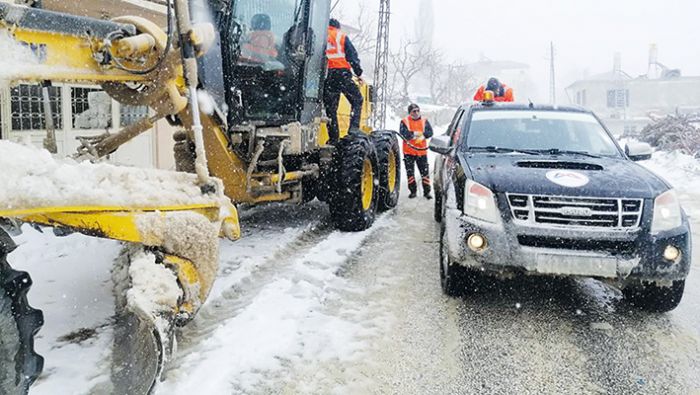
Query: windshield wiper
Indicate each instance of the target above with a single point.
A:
(557, 151)
(504, 150)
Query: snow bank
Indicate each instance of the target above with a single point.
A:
(682, 172)
(32, 178)
(153, 287)
(297, 319)
(187, 235)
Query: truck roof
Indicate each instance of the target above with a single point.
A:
(523, 106)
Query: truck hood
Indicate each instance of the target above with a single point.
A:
(563, 175)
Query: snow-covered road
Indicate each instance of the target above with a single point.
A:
(301, 308)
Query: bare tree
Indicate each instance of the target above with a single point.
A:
(459, 84)
(437, 78)
(365, 40)
(411, 59)
(363, 34)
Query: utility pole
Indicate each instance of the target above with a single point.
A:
(381, 65)
(552, 79)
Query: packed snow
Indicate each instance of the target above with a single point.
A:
(33, 178)
(154, 287)
(16, 57)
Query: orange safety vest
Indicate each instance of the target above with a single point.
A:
(335, 49)
(261, 46)
(507, 94)
(415, 126)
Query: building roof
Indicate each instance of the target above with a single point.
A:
(607, 77)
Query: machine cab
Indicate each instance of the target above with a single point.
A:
(273, 59)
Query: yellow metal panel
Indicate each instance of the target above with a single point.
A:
(116, 223)
(222, 162)
(344, 110)
(189, 279)
(65, 58)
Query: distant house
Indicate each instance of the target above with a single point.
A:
(625, 103)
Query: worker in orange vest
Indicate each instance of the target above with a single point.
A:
(342, 61)
(415, 130)
(261, 44)
(501, 92)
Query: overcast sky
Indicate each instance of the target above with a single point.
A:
(586, 33)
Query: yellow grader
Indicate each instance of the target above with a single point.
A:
(250, 131)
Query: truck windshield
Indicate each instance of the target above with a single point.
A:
(539, 131)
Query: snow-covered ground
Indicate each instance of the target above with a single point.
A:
(280, 300)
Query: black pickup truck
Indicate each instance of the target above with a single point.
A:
(545, 190)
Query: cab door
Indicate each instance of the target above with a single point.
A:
(319, 13)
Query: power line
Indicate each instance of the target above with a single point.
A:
(381, 65)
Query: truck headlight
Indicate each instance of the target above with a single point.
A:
(480, 202)
(667, 212)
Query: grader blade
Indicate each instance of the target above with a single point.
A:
(170, 225)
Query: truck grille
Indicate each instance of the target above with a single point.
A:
(565, 211)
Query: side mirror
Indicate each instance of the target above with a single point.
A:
(440, 144)
(637, 151)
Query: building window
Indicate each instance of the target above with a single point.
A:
(91, 108)
(618, 98)
(28, 108)
(129, 115)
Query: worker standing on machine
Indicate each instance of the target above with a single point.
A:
(342, 61)
(415, 131)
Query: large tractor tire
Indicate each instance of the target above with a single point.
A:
(20, 365)
(353, 198)
(389, 163)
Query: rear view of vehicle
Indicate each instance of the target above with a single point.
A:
(547, 191)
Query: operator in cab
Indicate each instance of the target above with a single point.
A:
(261, 41)
(343, 60)
(501, 92)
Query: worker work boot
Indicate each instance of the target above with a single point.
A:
(413, 188)
(427, 195)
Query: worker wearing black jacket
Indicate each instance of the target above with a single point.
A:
(416, 130)
(342, 61)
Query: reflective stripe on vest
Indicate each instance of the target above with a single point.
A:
(335, 49)
(415, 126)
(261, 46)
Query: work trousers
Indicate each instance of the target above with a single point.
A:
(422, 161)
(340, 81)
